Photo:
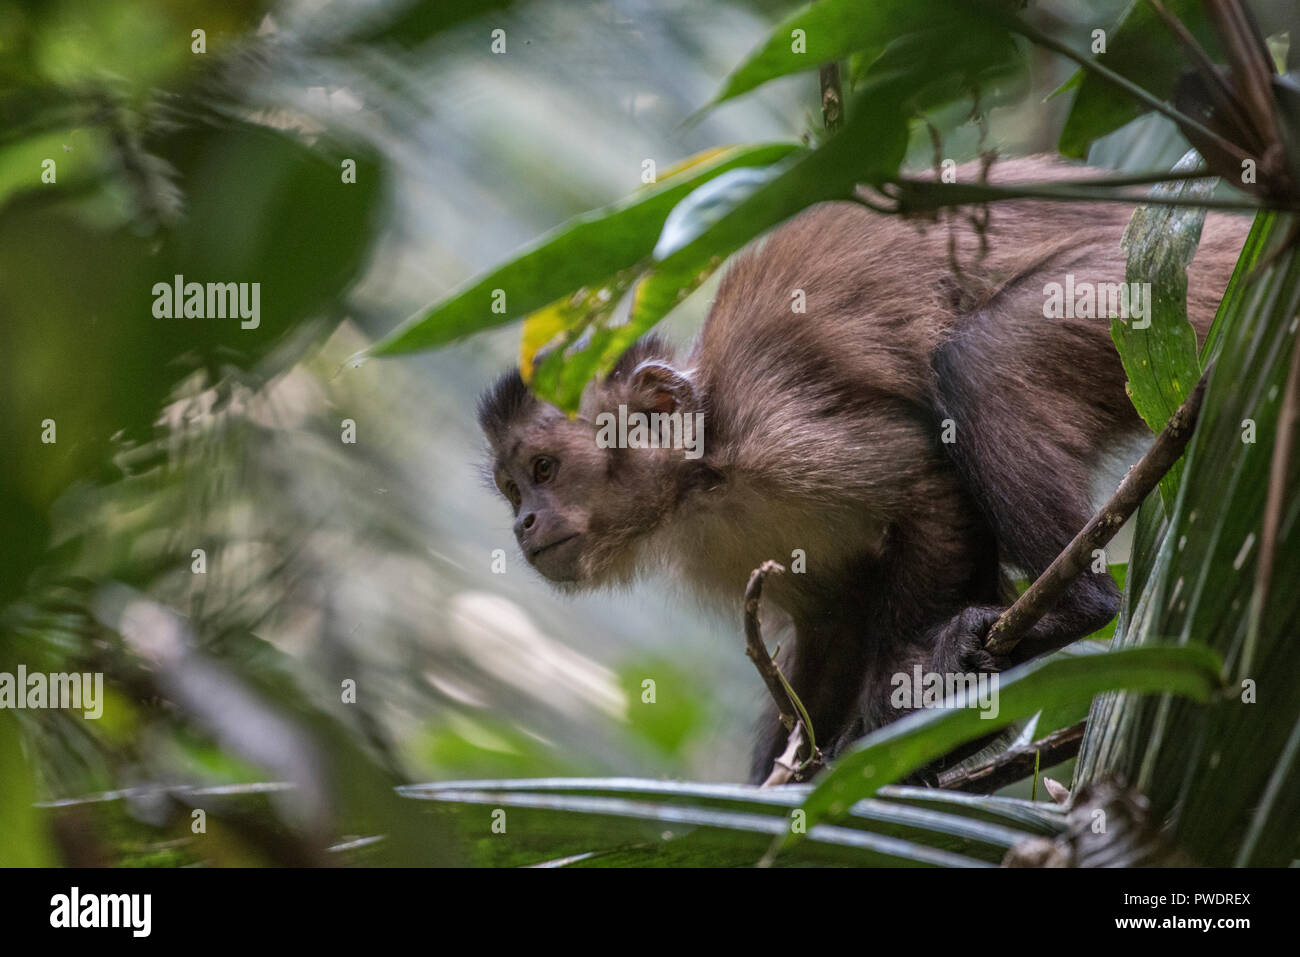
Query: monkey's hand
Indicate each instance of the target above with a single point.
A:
(957, 646)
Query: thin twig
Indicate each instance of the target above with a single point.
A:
(832, 96)
(1168, 447)
(757, 651)
(800, 737)
(907, 192)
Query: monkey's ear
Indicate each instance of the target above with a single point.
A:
(657, 387)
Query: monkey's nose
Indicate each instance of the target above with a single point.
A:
(524, 525)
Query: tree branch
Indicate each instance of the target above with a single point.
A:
(1014, 765)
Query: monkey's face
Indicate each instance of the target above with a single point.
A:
(583, 498)
(551, 472)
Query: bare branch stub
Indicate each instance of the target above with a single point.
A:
(832, 97)
(828, 77)
(786, 768)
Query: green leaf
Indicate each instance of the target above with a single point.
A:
(688, 823)
(80, 45)
(1158, 350)
(869, 148)
(585, 251)
(1141, 49)
(593, 334)
(897, 749)
(833, 29)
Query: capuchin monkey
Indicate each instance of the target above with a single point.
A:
(916, 431)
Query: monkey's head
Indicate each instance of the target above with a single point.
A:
(583, 504)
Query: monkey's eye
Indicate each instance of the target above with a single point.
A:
(544, 469)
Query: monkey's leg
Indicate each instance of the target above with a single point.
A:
(885, 609)
(1028, 427)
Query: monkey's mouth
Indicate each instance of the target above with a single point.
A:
(558, 560)
(532, 555)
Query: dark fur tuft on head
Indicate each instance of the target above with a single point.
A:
(509, 399)
(647, 347)
(503, 403)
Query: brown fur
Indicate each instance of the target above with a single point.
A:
(823, 434)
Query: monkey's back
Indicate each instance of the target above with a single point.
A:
(880, 295)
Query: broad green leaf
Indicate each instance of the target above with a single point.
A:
(591, 342)
(74, 165)
(733, 820)
(1141, 49)
(952, 60)
(1158, 348)
(868, 148)
(833, 29)
(78, 44)
(706, 206)
(1152, 141)
(585, 251)
(895, 750)
(583, 335)
(573, 324)
(1066, 713)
